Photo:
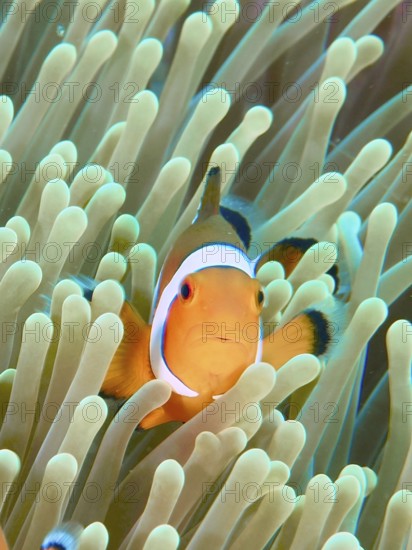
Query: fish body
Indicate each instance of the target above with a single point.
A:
(205, 326)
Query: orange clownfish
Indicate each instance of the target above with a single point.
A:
(205, 327)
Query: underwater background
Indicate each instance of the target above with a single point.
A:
(110, 116)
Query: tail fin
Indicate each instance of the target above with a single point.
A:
(87, 284)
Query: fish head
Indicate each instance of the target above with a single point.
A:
(213, 329)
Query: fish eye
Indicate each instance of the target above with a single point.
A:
(186, 291)
(260, 297)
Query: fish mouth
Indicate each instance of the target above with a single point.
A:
(222, 339)
(216, 340)
(199, 336)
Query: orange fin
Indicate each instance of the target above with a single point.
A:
(130, 367)
(309, 332)
(155, 418)
(289, 252)
(3, 542)
(177, 409)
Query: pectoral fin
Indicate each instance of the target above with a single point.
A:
(306, 333)
(130, 367)
(178, 408)
(3, 542)
(155, 418)
(289, 252)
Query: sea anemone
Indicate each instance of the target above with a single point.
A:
(112, 113)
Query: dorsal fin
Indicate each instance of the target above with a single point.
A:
(208, 229)
(209, 205)
(239, 224)
(289, 252)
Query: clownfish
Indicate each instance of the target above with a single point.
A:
(63, 537)
(207, 306)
